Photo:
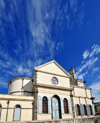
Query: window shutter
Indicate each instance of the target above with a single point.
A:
(39, 104)
(49, 105)
(70, 106)
(83, 110)
(62, 105)
(76, 109)
(0, 109)
(17, 114)
(93, 110)
(88, 110)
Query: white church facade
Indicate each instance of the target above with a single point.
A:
(52, 93)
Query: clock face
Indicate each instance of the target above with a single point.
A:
(54, 81)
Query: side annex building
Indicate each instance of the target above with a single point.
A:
(52, 93)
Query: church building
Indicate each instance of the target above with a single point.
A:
(52, 93)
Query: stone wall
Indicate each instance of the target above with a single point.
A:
(95, 119)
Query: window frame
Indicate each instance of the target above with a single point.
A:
(66, 108)
(53, 81)
(85, 111)
(45, 105)
(90, 108)
(14, 112)
(78, 110)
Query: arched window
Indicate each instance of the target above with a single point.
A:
(17, 113)
(90, 107)
(78, 109)
(65, 106)
(0, 111)
(45, 105)
(85, 112)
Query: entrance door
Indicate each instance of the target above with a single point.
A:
(55, 108)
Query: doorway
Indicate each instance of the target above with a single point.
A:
(56, 110)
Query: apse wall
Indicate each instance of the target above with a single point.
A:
(20, 86)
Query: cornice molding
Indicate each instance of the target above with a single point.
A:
(53, 87)
(81, 87)
(51, 73)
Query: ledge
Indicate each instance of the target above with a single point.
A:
(53, 87)
(17, 98)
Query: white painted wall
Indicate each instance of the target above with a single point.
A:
(16, 86)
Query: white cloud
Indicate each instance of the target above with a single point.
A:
(26, 71)
(80, 20)
(81, 76)
(95, 69)
(73, 5)
(85, 54)
(59, 45)
(3, 84)
(36, 44)
(87, 64)
(95, 50)
(96, 90)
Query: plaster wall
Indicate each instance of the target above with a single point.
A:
(23, 101)
(50, 93)
(52, 68)
(45, 78)
(80, 92)
(82, 101)
(88, 93)
(15, 87)
(89, 101)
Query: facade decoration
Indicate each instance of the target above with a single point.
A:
(52, 93)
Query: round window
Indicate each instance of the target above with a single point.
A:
(54, 81)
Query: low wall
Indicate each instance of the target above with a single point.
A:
(95, 119)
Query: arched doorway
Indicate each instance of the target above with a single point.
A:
(56, 110)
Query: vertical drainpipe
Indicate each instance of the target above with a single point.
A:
(33, 110)
(7, 110)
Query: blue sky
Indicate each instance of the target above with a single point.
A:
(33, 32)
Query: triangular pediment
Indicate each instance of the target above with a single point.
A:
(53, 67)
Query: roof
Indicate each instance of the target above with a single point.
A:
(19, 77)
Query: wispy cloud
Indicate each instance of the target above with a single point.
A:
(96, 90)
(95, 69)
(88, 62)
(29, 33)
(59, 46)
(81, 76)
(80, 20)
(95, 50)
(73, 4)
(85, 54)
(89, 68)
